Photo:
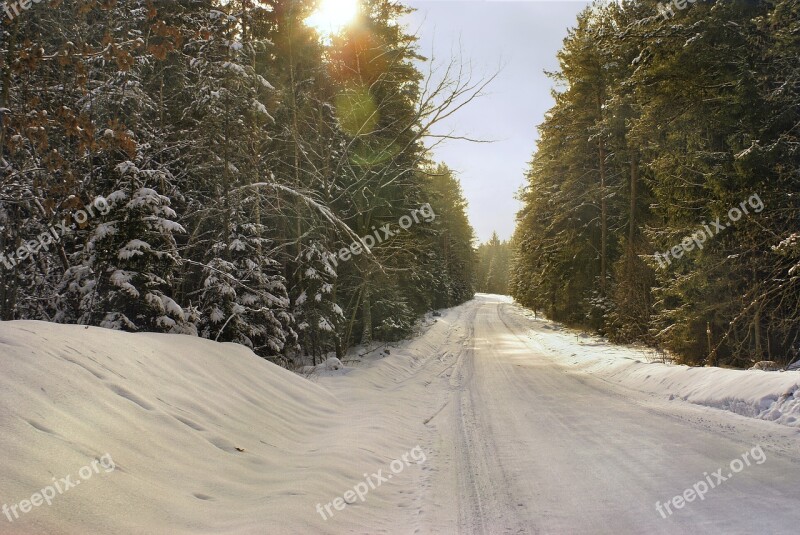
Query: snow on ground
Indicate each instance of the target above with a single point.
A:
(205, 437)
(773, 396)
(187, 436)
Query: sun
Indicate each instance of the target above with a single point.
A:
(331, 16)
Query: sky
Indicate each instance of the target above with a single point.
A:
(521, 38)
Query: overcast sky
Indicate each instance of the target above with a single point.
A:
(522, 37)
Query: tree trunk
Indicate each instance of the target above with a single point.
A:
(603, 217)
(366, 337)
(757, 333)
(634, 194)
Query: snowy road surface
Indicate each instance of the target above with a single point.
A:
(526, 446)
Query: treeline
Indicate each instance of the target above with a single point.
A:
(666, 125)
(494, 264)
(216, 168)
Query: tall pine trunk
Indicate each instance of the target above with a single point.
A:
(366, 337)
(603, 218)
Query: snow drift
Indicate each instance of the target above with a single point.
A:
(205, 437)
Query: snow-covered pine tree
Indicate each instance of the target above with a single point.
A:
(125, 275)
(243, 298)
(242, 294)
(314, 305)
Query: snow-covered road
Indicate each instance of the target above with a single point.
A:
(525, 445)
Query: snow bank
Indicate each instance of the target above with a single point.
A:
(199, 432)
(205, 437)
(769, 396)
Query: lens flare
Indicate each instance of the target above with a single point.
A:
(332, 16)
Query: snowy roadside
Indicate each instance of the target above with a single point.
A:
(209, 438)
(362, 355)
(770, 396)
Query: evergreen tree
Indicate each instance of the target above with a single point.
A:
(239, 153)
(662, 127)
(494, 267)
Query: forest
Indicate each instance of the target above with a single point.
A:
(493, 266)
(662, 204)
(220, 169)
